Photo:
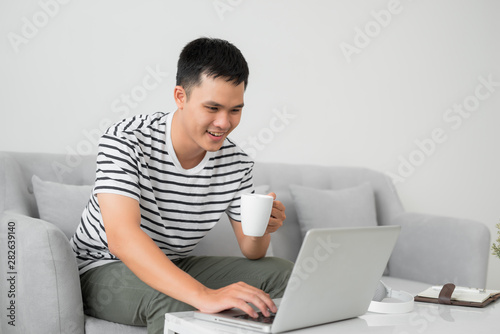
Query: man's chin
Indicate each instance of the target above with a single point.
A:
(212, 148)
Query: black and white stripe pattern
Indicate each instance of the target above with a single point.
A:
(178, 206)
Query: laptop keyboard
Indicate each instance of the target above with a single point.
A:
(261, 318)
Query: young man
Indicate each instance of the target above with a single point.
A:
(162, 182)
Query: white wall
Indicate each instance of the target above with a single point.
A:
(67, 69)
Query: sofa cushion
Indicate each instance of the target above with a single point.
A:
(99, 326)
(44, 278)
(319, 208)
(434, 249)
(61, 204)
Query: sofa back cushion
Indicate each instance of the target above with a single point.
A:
(61, 204)
(319, 208)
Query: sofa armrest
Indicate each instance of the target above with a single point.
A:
(440, 250)
(43, 287)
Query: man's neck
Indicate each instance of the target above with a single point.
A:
(189, 162)
(188, 155)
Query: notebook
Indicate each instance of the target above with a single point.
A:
(456, 295)
(334, 278)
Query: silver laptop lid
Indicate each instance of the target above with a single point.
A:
(335, 275)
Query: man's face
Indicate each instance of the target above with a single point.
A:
(211, 113)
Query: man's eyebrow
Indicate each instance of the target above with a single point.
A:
(215, 104)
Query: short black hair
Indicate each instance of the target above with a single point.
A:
(213, 57)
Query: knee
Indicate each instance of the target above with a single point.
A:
(279, 265)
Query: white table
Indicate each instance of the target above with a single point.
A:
(425, 318)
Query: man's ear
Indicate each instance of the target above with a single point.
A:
(180, 96)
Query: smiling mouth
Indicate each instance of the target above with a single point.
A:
(216, 134)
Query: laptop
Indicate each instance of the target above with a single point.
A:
(334, 278)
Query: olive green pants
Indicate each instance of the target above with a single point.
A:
(112, 292)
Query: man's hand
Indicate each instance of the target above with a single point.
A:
(277, 215)
(236, 295)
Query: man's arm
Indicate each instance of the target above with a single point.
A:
(256, 247)
(127, 241)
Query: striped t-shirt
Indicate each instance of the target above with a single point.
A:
(178, 206)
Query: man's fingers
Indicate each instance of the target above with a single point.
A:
(278, 214)
(245, 307)
(257, 297)
(278, 205)
(278, 210)
(274, 225)
(264, 305)
(273, 195)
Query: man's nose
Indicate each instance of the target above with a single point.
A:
(222, 120)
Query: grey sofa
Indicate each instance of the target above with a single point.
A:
(430, 249)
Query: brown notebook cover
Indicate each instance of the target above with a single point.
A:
(445, 298)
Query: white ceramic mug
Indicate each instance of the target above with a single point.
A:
(255, 213)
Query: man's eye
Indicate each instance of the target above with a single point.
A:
(236, 111)
(212, 108)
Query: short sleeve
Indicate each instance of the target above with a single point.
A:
(246, 186)
(117, 170)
